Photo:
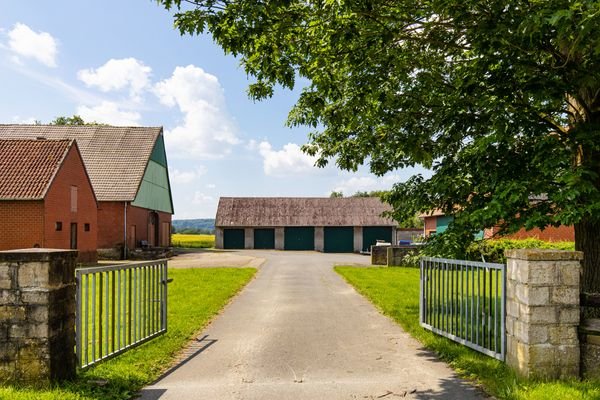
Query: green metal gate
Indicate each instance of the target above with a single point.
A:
(299, 238)
(338, 239)
(264, 238)
(371, 234)
(233, 239)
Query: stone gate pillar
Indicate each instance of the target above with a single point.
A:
(37, 315)
(542, 312)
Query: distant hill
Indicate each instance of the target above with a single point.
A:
(204, 225)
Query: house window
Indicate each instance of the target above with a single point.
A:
(58, 226)
(73, 198)
(86, 227)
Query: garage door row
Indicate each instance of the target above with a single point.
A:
(339, 239)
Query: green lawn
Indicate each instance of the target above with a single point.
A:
(195, 296)
(193, 241)
(395, 291)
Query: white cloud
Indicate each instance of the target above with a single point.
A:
(108, 112)
(202, 199)
(25, 42)
(118, 74)
(290, 160)
(366, 183)
(183, 177)
(17, 119)
(211, 186)
(206, 130)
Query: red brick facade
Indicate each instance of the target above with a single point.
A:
(32, 223)
(21, 224)
(550, 234)
(139, 226)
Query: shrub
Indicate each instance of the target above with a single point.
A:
(493, 250)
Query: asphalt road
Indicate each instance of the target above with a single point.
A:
(299, 331)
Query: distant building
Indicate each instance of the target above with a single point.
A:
(128, 170)
(437, 222)
(336, 225)
(46, 197)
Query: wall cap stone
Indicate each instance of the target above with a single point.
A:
(34, 254)
(544, 255)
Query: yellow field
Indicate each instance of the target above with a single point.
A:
(197, 241)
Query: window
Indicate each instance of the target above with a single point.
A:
(73, 198)
(58, 226)
(86, 227)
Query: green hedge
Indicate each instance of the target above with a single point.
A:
(493, 250)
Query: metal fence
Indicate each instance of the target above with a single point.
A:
(464, 301)
(119, 307)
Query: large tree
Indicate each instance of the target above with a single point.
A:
(500, 99)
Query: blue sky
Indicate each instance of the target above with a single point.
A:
(122, 63)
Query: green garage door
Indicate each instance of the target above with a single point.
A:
(233, 238)
(371, 234)
(299, 238)
(339, 239)
(264, 238)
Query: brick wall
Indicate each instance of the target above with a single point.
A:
(550, 234)
(57, 208)
(21, 224)
(430, 224)
(110, 224)
(110, 229)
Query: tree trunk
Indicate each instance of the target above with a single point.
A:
(587, 240)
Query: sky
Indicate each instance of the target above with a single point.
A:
(123, 63)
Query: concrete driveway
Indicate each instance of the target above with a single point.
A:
(299, 331)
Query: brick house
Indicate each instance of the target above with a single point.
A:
(128, 170)
(437, 222)
(46, 197)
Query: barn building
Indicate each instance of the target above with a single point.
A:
(128, 170)
(46, 198)
(335, 225)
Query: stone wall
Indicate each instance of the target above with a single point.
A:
(396, 255)
(542, 312)
(379, 255)
(37, 315)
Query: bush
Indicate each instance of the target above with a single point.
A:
(493, 250)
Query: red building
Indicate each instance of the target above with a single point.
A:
(437, 222)
(46, 197)
(128, 170)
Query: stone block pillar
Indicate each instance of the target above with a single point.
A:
(542, 312)
(37, 315)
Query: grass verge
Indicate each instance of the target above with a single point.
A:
(195, 296)
(193, 241)
(395, 291)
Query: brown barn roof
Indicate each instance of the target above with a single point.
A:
(115, 157)
(28, 167)
(301, 211)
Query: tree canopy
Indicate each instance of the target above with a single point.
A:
(500, 99)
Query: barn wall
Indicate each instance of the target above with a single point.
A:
(279, 238)
(57, 208)
(358, 239)
(21, 224)
(319, 238)
(249, 238)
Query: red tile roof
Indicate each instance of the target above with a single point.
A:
(115, 157)
(28, 167)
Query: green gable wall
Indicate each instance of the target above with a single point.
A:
(155, 192)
